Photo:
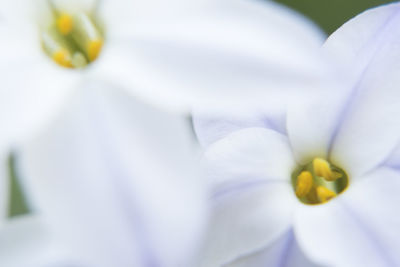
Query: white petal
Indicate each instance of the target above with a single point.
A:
(367, 129)
(250, 170)
(283, 252)
(359, 228)
(223, 53)
(26, 241)
(117, 178)
(310, 123)
(33, 88)
(211, 127)
(250, 154)
(247, 220)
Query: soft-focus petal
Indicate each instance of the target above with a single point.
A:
(253, 198)
(117, 179)
(26, 241)
(283, 252)
(222, 53)
(359, 228)
(33, 88)
(212, 127)
(253, 154)
(367, 129)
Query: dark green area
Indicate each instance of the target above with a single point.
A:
(18, 205)
(331, 14)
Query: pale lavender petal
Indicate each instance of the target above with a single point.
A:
(284, 252)
(116, 178)
(358, 228)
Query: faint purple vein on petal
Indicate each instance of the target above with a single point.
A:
(347, 106)
(240, 187)
(287, 249)
(132, 212)
(375, 241)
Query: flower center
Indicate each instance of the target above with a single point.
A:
(319, 181)
(72, 40)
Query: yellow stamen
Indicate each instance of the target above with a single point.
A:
(65, 24)
(322, 168)
(304, 184)
(94, 48)
(63, 58)
(324, 194)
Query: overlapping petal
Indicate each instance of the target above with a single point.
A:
(359, 227)
(116, 178)
(212, 127)
(26, 241)
(33, 87)
(217, 54)
(371, 112)
(283, 252)
(253, 199)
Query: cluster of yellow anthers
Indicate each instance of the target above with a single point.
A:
(72, 41)
(318, 182)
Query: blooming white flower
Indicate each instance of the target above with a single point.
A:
(317, 184)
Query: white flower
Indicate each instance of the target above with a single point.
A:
(317, 184)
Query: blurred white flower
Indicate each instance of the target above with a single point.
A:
(115, 181)
(317, 184)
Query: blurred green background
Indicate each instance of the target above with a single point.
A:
(331, 14)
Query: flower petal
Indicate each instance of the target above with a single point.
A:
(26, 241)
(371, 112)
(211, 127)
(222, 53)
(358, 228)
(116, 178)
(250, 154)
(283, 252)
(247, 220)
(33, 88)
(250, 170)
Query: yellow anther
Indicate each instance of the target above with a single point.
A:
(94, 48)
(63, 58)
(65, 24)
(304, 184)
(322, 168)
(324, 194)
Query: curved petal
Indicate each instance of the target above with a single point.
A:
(26, 241)
(358, 228)
(311, 123)
(222, 53)
(250, 170)
(33, 88)
(116, 178)
(246, 220)
(285, 252)
(210, 127)
(371, 112)
(253, 154)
